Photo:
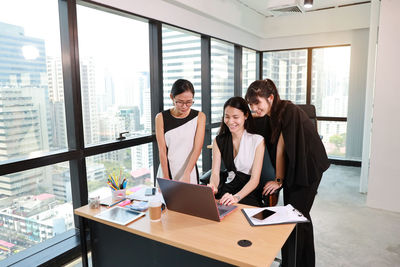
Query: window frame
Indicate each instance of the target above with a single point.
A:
(309, 76)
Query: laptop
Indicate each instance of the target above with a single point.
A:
(192, 199)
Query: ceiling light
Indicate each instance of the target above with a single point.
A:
(308, 3)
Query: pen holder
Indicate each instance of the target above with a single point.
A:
(94, 202)
(118, 194)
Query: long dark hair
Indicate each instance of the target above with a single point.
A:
(241, 104)
(180, 86)
(265, 88)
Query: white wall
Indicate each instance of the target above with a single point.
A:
(358, 39)
(384, 180)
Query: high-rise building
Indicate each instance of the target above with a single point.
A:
(56, 105)
(248, 69)
(24, 109)
(288, 70)
(89, 107)
(181, 62)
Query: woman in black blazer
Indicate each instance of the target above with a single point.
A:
(298, 155)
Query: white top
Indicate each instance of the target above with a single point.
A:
(180, 145)
(245, 156)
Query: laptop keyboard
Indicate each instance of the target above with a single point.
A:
(222, 209)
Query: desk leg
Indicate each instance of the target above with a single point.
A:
(82, 235)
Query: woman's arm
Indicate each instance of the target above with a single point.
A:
(215, 168)
(228, 199)
(280, 158)
(162, 147)
(271, 186)
(197, 146)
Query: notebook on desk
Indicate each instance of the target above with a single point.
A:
(192, 199)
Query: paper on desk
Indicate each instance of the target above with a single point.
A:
(283, 214)
(140, 195)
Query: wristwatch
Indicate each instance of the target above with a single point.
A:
(279, 180)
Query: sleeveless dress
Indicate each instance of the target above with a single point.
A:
(239, 168)
(179, 136)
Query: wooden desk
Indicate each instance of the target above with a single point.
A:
(216, 242)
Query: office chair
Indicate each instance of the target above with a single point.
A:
(311, 113)
(268, 174)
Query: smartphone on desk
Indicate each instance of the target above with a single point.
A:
(265, 213)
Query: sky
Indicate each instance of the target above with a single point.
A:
(39, 18)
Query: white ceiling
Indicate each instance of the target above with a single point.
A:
(262, 6)
(238, 21)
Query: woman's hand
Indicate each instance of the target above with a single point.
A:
(270, 187)
(185, 179)
(213, 187)
(228, 199)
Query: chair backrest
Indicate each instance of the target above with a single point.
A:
(268, 174)
(311, 113)
(267, 171)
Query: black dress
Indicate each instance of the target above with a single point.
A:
(306, 160)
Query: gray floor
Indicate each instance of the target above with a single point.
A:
(347, 233)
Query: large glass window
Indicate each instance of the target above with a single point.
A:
(181, 52)
(248, 69)
(114, 66)
(135, 164)
(35, 206)
(32, 117)
(221, 77)
(334, 137)
(329, 94)
(330, 80)
(288, 70)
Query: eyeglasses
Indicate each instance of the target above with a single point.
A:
(182, 103)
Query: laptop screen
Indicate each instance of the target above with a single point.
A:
(191, 199)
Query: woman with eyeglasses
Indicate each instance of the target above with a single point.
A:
(241, 151)
(298, 155)
(180, 135)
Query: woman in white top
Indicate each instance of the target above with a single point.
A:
(241, 151)
(180, 135)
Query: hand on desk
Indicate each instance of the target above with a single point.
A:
(228, 199)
